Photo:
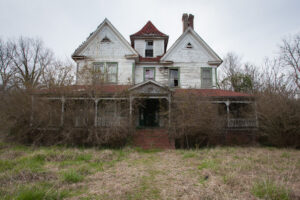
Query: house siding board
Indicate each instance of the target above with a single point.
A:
(115, 49)
(197, 53)
(140, 46)
(158, 46)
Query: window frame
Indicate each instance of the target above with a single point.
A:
(144, 73)
(146, 45)
(211, 77)
(106, 74)
(172, 68)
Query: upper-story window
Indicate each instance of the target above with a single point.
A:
(173, 78)
(206, 78)
(149, 48)
(149, 73)
(105, 72)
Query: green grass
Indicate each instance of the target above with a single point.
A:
(42, 192)
(189, 155)
(207, 164)
(270, 191)
(72, 176)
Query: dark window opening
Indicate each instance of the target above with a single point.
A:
(149, 49)
(189, 45)
(105, 39)
(174, 78)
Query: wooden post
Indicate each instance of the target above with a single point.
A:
(130, 109)
(228, 111)
(62, 111)
(169, 110)
(255, 111)
(96, 113)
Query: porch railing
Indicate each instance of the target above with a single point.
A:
(242, 123)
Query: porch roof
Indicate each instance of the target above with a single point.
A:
(217, 93)
(83, 89)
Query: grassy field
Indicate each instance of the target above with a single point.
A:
(87, 173)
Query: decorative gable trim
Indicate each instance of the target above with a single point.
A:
(217, 60)
(79, 50)
(150, 86)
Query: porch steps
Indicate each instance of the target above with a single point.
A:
(154, 138)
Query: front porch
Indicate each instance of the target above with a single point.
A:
(144, 107)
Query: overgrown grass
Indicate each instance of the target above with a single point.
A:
(72, 176)
(269, 190)
(134, 173)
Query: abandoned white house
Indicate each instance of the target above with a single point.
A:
(145, 70)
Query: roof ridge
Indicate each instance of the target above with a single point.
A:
(149, 29)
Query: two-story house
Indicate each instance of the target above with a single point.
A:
(150, 73)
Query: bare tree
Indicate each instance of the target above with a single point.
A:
(290, 56)
(58, 74)
(29, 58)
(234, 76)
(6, 73)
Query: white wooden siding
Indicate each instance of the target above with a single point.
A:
(158, 47)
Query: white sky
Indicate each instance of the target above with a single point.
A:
(252, 28)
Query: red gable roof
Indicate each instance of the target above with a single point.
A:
(149, 30)
(212, 93)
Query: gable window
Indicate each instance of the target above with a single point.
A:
(149, 73)
(206, 78)
(105, 39)
(149, 48)
(173, 78)
(105, 72)
(189, 45)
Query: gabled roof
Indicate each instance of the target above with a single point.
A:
(149, 82)
(149, 30)
(93, 34)
(200, 40)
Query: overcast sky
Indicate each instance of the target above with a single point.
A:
(252, 28)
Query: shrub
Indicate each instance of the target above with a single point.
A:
(279, 119)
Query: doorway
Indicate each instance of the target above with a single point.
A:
(149, 113)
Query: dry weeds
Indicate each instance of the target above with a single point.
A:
(212, 173)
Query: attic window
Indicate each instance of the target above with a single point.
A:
(149, 48)
(105, 39)
(189, 45)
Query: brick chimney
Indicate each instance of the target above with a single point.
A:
(187, 21)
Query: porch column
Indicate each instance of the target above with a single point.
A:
(169, 110)
(228, 111)
(130, 109)
(255, 111)
(96, 113)
(62, 111)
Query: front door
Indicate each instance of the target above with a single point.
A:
(149, 113)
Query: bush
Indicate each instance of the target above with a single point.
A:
(279, 119)
(195, 121)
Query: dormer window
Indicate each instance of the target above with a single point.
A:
(149, 48)
(105, 40)
(189, 46)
